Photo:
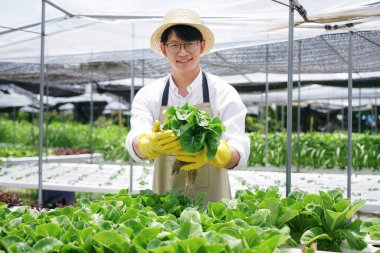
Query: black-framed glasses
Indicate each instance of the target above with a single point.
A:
(188, 46)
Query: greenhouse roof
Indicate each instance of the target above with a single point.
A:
(95, 41)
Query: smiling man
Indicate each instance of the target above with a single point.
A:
(183, 39)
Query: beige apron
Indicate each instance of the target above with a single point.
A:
(214, 181)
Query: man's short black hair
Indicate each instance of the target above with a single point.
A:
(184, 32)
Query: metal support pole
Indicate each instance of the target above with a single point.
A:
(260, 109)
(143, 73)
(119, 119)
(290, 99)
(46, 123)
(360, 112)
(372, 119)
(328, 112)
(349, 116)
(275, 119)
(282, 118)
(32, 130)
(376, 116)
(299, 109)
(132, 95)
(14, 125)
(342, 110)
(91, 119)
(266, 105)
(41, 115)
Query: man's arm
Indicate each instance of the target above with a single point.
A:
(136, 148)
(232, 112)
(235, 158)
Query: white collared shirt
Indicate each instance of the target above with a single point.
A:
(225, 101)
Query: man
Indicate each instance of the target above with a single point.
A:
(183, 39)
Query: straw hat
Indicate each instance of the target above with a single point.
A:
(182, 17)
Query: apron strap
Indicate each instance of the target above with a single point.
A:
(165, 96)
(206, 95)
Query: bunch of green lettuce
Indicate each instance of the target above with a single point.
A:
(195, 128)
(325, 219)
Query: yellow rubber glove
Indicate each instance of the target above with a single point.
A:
(199, 159)
(223, 155)
(153, 143)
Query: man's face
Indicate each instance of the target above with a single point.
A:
(185, 59)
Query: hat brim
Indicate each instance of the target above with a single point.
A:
(155, 40)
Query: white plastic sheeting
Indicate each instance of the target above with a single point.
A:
(313, 93)
(138, 82)
(86, 97)
(14, 100)
(99, 27)
(116, 106)
(337, 104)
(14, 96)
(259, 78)
(66, 107)
(29, 109)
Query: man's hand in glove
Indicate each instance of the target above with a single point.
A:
(156, 142)
(199, 159)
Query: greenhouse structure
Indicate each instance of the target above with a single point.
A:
(307, 71)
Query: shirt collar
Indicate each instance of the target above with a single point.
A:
(195, 84)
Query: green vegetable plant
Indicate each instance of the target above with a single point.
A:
(325, 219)
(196, 130)
(254, 222)
(144, 222)
(108, 140)
(317, 150)
(372, 227)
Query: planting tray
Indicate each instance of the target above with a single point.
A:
(101, 178)
(108, 178)
(81, 158)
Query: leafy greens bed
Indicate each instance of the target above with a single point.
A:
(258, 221)
(106, 139)
(317, 150)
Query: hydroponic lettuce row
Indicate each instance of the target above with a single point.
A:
(254, 222)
